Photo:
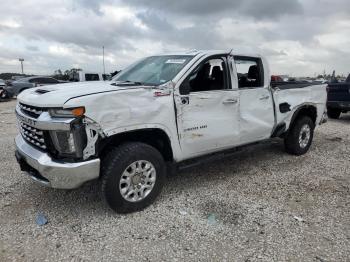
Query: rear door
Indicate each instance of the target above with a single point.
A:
(256, 109)
(207, 108)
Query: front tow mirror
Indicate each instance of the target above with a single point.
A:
(185, 88)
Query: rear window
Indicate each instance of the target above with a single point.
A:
(92, 77)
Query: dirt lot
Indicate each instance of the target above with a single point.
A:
(261, 204)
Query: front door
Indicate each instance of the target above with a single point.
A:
(207, 114)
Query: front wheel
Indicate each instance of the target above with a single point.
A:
(300, 135)
(133, 175)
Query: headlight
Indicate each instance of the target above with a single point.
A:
(70, 112)
(70, 143)
(63, 141)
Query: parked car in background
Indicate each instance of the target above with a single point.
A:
(275, 78)
(16, 87)
(82, 76)
(2, 84)
(338, 98)
(16, 78)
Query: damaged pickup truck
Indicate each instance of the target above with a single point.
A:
(162, 112)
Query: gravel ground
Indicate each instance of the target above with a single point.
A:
(259, 205)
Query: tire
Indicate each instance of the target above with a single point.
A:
(130, 170)
(300, 135)
(4, 94)
(333, 113)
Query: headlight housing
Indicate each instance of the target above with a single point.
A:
(63, 141)
(69, 112)
(70, 143)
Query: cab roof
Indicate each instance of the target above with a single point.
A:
(195, 52)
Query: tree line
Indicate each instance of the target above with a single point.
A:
(58, 74)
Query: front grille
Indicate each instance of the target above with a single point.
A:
(33, 135)
(31, 111)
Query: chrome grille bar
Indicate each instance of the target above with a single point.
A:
(30, 110)
(33, 135)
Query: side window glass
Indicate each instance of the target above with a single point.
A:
(49, 81)
(34, 80)
(46, 80)
(40, 80)
(249, 72)
(208, 76)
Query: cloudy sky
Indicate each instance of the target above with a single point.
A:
(299, 37)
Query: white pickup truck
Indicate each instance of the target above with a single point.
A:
(165, 111)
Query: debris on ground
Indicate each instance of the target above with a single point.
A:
(211, 219)
(334, 139)
(183, 212)
(298, 219)
(41, 219)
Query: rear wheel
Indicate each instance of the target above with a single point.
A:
(300, 135)
(333, 113)
(133, 175)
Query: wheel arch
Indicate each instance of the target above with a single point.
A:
(309, 110)
(154, 137)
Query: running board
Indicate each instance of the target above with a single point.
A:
(214, 156)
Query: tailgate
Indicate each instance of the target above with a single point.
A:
(339, 92)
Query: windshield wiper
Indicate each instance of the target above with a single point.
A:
(128, 82)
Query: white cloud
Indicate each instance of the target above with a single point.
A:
(298, 37)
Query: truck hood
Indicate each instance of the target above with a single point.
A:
(58, 95)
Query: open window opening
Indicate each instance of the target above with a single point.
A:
(208, 76)
(249, 72)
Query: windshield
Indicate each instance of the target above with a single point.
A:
(154, 70)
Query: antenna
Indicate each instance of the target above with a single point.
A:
(103, 59)
(21, 60)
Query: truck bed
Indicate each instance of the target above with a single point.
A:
(339, 96)
(339, 92)
(289, 96)
(291, 85)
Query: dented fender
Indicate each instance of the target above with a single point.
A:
(132, 109)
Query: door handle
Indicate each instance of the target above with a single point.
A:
(264, 97)
(230, 101)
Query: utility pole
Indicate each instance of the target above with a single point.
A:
(103, 58)
(21, 60)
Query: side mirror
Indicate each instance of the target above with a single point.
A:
(185, 88)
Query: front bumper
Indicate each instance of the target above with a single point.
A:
(48, 172)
